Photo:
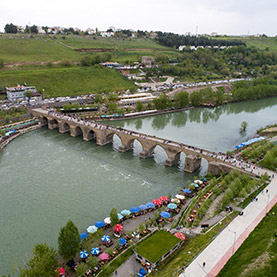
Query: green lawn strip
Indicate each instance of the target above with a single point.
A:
(110, 268)
(190, 249)
(250, 197)
(69, 81)
(157, 245)
(258, 253)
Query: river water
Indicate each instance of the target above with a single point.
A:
(48, 177)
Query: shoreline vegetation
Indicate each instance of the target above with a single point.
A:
(70, 243)
(51, 63)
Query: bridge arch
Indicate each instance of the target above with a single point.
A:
(116, 140)
(159, 154)
(76, 131)
(89, 135)
(43, 121)
(64, 127)
(53, 123)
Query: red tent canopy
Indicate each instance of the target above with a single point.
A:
(118, 228)
(163, 198)
(157, 202)
(180, 236)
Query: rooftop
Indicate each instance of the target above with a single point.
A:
(157, 245)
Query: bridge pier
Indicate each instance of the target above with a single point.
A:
(74, 132)
(63, 128)
(103, 140)
(53, 124)
(192, 163)
(146, 153)
(43, 120)
(87, 136)
(125, 148)
(173, 159)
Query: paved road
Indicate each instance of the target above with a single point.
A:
(229, 240)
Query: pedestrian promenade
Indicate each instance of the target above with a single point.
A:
(215, 256)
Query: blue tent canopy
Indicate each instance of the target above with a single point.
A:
(143, 207)
(99, 224)
(165, 215)
(83, 235)
(134, 210)
(150, 205)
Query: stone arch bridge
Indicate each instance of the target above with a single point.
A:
(103, 134)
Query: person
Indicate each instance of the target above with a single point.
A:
(204, 264)
(115, 273)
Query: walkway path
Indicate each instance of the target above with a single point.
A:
(229, 240)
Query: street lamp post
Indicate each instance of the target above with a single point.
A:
(233, 249)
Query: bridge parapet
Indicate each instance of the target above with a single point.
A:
(104, 135)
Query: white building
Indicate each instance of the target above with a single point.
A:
(131, 99)
(90, 31)
(107, 34)
(18, 93)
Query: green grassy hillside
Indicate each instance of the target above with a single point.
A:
(110, 43)
(259, 42)
(22, 48)
(68, 81)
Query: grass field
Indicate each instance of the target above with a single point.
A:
(22, 48)
(190, 249)
(18, 48)
(157, 245)
(259, 42)
(110, 43)
(257, 256)
(68, 81)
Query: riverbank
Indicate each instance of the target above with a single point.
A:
(5, 141)
(168, 111)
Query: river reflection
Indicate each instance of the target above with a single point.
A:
(216, 128)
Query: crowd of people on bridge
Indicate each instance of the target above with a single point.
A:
(229, 159)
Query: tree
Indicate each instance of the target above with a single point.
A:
(112, 107)
(93, 261)
(139, 106)
(86, 60)
(162, 58)
(121, 111)
(181, 99)
(114, 217)
(82, 268)
(196, 98)
(243, 126)
(44, 262)
(28, 94)
(10, 29)
(162, 102)
(45, 29)
(7, 118)
(69, 241)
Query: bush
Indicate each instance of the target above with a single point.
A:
(82, 268)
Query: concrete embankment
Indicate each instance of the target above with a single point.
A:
(4, 142)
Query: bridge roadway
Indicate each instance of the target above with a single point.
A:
(103, 134)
